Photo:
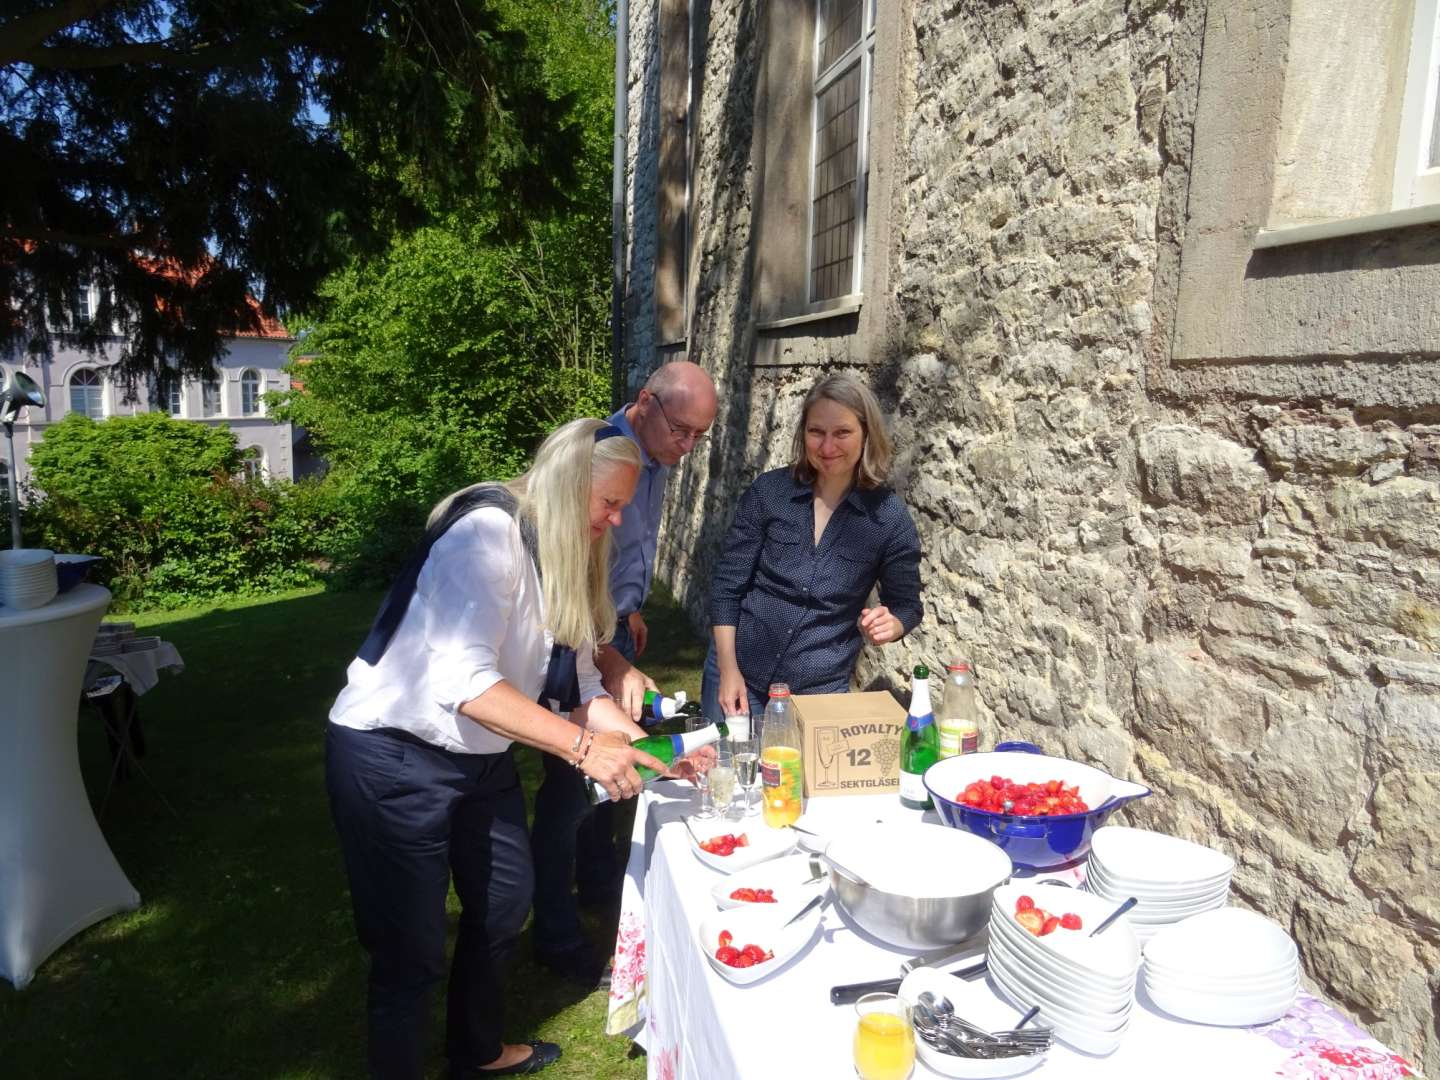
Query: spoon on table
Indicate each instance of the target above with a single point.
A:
(1121, 910)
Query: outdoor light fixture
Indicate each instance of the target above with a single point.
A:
(21, 391)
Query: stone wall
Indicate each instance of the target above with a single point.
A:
(1222, 584)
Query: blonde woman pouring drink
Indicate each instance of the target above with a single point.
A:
(422, 783)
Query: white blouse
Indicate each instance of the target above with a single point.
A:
(477, 616)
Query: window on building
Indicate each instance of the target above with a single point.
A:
(252, 463)
(1417, 158)
(80, 306)
(250, 386)
(87, 393)
(175, 398)
(844, 60)
(210, 397)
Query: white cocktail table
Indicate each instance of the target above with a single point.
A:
(57, 874)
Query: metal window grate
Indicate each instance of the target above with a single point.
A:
(837, 167)
(840, 22)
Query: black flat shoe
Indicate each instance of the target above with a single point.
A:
(541, 1055)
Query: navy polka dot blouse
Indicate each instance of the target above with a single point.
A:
(795, 604)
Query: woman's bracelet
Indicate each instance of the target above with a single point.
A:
(589, 742)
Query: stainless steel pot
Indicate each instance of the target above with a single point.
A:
(916, 922)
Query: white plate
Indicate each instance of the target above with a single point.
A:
(785, 877)
(1139, 855)
(977, 1003)
(1007, 939)
(1228, 942)
(751, 924)
(764, 843)
(1062, 1002)
(1222, 1010)
(1114, 955)
(1082, 1038)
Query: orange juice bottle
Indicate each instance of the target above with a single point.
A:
(781, 774)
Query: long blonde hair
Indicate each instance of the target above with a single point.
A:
(873, 469)
(554, 498)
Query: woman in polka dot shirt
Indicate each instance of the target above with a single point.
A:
(808, 544)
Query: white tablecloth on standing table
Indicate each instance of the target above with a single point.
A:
(141, 669)
(695, 1025)
(57, 874)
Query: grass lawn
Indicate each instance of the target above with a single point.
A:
(241, 960)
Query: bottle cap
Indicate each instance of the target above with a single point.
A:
(921, 671)
(779, 689)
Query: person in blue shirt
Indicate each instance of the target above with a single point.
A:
(808, 544)
(670, 417)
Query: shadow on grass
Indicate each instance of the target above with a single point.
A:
(242, 959)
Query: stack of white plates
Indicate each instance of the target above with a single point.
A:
(27, 577)
(111, 638)
(1228, 967)
(1171, 879)
(140, 644)
(1084, 986)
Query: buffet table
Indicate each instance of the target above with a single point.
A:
(695, 1024)
(57, 874)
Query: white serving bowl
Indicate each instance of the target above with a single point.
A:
(1226, 943)
(1081, 1036)
(1222, 1010)
(1139, 855)
(976, 1003)
(786, 877)
(752, 925)
(764, 843)
(1114, 955)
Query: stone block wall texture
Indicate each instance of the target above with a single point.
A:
(1231, 595)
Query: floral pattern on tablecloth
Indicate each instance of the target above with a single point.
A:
(1327, 1046)
(627, 974)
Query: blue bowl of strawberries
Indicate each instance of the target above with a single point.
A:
(1041, 810)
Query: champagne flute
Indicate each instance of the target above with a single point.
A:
(707, 810)
(747, 771)
(722, 781)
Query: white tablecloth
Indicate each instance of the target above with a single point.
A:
(57, 874)
(697, 1026)
(141, 669)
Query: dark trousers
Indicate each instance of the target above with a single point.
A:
(572, 841)
(410, 817)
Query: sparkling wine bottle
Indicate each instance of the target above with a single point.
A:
(919, 743)
(667, 748)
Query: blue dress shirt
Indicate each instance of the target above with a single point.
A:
(633, 541)
(794, 603)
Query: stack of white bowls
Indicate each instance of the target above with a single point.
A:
(1171, 879)
(27, 577)
(1084, 986)
(1228, 967)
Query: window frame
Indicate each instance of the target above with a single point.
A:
(71, 385)
(861, 52)
(1417, 162)
(257, 405)
(206, 411)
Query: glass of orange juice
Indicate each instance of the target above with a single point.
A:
(884, 1040)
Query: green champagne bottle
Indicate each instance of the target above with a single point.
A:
(919, 743)
(667, 748)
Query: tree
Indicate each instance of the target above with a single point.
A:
(252, 145)
(446, 360)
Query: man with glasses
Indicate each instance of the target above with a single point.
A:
(670, 417)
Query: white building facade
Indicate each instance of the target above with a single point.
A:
(251, 366)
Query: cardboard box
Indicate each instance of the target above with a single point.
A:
(851, 742)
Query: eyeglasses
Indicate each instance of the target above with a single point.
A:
(681, 433)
